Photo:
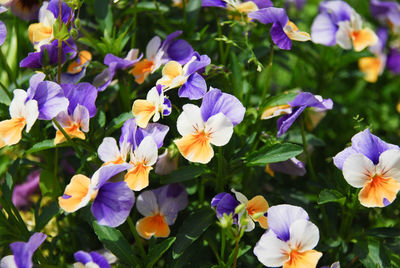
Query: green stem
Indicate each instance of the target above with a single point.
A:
(67, 136)
(220, 42)
(137, 238)
(236, 248)
(223, 242)
(305, 146)
(268, 73)
(220, 179)
(9, 71)
(133, 38)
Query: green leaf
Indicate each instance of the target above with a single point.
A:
(329, 196)
(241, 251)
(48, 184)
(192, 228)
(114, 241)
(48, 213)
(151, 6)
(101, 9)
(60, 33)
(274, 154)
(183, 174)
(384, 232)
(117, 122)
(43, 145)
(158, 250)
(280, 99)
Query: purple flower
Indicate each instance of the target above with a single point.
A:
(3, 29)
(299, 104)
(241, 6)
(386, 11)
(22, 192)
(292, 167)
(90, 259)
(160, 208)
(225, 203)
(77, 69)
(23, 252)
(393, 60)
(26, 10)
(283, 31)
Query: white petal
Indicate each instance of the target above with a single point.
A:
(240, 197)
(190, 120)
(271, 251)
(356, 21)
(31, 113)
(108, 150)
(132, 54)
(81, 116)
(250, 225)
(146, 203)
(147, 151)
(8, 262)
(220, 128)
(17, 105)
(304, 235)
(343, 35)
(389, 164)
(153, 97)
(152, 47)
(357, 169)
(64, 119)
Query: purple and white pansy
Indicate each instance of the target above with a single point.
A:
(91, 259)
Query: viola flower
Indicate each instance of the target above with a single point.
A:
(338, 23)
(114, 63)
(155, 105)
(42, 33)
(387, 12)
(302, 101)
(292, 167)
(43, 100)
(158, 53)
(192, 85)
(131, 136)
(283, 31)
(112, 201)
(238, 5)
(25, 9)
(3, 29)
(274, 111)
(75, 119)
(23, 252)
(212, 123)
(77, 69)
(372, 67)
(255, 210)
(91, 259)
(22, 193)
(290, 239)
(393, 60)
(373, 165)
(160, 208)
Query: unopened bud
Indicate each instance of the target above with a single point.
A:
(240, 208)
(256, 216)
(74, 33)
(77, 23)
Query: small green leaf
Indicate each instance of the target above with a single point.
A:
(117, 122)
(114, 241)
(48, 213)
(43, 145)
(158, 250)
(60, 33)
(329, 196)
(183, 174)
(274, 154)
(151, 6)
(48, 184)
(193, 227)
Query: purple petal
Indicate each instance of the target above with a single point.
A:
(286, 121)
(168, 40)
(270, 15)
(167, 102)
(33, 84)
(82, 257)
(84, 94)
(104, 173)
(65, 10)
(50, 98)
(23, 192)
(174, 191)
(119, 62)
(262, 3)
(323, 30)
(128, 132)
(33, 60)
(100, 260)
(213, 3)
(393, 62)
(194, 88)
(113, 204)
(103, 80)
(337, 10)
(282, 216)
(67, 78)
(24, 10)
(217, 102)
(280, 38)
(180, 51)
(224, 203)
(292, 167)
(199, 64)
(339, 159)
(23, 251)
(155, 130)
(3, 32)
(386, 10)
(309, 100)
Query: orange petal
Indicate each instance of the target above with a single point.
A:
(143, 111)
(195, 148)
(141, 70)
(363, 38)
(247, 7)
(73, 132)
(306, 259)
(38, 32)
(77, 189)
(378, 189)
(263, 222)
(11, 131)
(257, 204)
(371, 67)
(138, 178)
(269, 171)
(153, 225)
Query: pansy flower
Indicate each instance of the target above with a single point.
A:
(75, 119)
(25, 9)
(91, 259)
(212, 123)
(43, 100)
(22, 193)
(158, 53)
(372, 67)
(225, 203)
(41, 33)
(23, 252)
(387, 12)
(154, 106)
(112, 201)
(255, 210)
(77, 69)
(238, 5)
(374, 166)
(160, 208)
(191, 84)
(340, 24)
(283, 31)
(290, 239)
(302, 101)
